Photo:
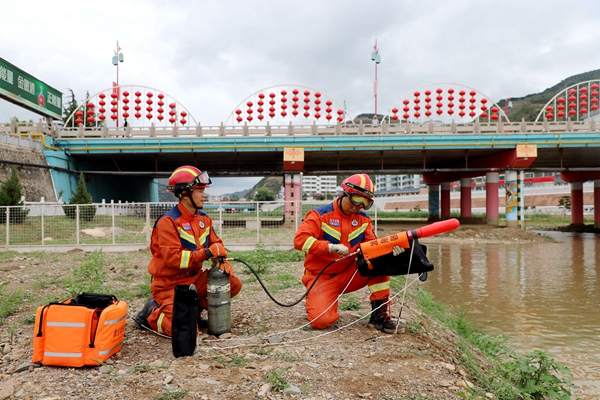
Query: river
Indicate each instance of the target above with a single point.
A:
(540, 296)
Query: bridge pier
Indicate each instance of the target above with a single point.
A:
(434, 202)
(445, 200)
(577, 203)
(465, 198)
(511, 187)
(292, 195)
(491, 198)
(597, 204)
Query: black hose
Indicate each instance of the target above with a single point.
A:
(269, 294)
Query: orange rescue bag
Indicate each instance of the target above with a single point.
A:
(83, 330)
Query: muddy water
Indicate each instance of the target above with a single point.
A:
(541, 296)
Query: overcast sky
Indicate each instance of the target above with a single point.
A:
(211, 55)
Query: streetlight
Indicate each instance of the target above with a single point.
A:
(117, 58)
(377, 58)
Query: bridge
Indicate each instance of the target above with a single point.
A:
(124, 160)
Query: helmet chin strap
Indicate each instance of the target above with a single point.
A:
(188, 194)
(340, 204)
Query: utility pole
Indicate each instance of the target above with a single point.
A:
(117, 58)
(377, 58)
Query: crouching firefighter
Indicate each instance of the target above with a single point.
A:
(330, 232)
(183, 239)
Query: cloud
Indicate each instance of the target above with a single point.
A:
(211, 55)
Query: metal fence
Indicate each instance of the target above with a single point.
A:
(111, 227)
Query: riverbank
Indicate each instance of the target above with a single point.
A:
(271, 348)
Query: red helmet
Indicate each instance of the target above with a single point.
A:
(359, 185)
(187, 178)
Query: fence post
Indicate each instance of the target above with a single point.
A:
(77, 223)
(7, 227)
(42, 223)
(221, 219)
(148, 230)
(113, 222)
(257, 223)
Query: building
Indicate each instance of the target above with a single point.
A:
(319, 185)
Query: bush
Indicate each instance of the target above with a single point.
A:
(80, 196)
(10, 195)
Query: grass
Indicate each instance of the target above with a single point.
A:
(500, 371)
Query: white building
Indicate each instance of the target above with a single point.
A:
(319, 184)
(397, 182)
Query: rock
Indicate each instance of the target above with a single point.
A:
(449, 367)
(26, 366)
(105, 369)
(7, 390)
(264, 389)
(156, 364)
(93, 232)
(293, 390)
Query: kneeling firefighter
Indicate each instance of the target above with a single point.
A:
(332, 231)
(182, 240)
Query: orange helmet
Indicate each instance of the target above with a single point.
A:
(187, 178)
(359, 185)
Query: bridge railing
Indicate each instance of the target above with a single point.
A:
(241, 131)
(53, 227)
(268, 130)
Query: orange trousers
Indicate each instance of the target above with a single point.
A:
(328, 288)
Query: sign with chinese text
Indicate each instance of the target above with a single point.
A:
(23, 89)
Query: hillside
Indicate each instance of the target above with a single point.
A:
(528, 107)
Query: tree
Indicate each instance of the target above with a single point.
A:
(565, 202)
(69, 109)
(264, 194)
(80, 196)
(10, 195)
(235, 197)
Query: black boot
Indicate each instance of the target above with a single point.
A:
(141, 318)
(380, 317)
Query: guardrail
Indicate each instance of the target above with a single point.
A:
(20, 140)
(55, 227)
(340, 129)
(431, 128)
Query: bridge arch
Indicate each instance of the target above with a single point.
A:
(445, 101)
(576, 102)
(139, 106)
(284, 103)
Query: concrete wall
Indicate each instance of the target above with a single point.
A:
(37, 182)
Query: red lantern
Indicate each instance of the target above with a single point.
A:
(494, 111)
(549, 115)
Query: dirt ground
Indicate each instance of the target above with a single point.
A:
(271, 346)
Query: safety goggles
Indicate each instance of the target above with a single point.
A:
(201, 180)
(360, 201)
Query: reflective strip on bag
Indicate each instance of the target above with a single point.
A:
(114, 321)
(105, 352)
(62, 355)
(67, 324)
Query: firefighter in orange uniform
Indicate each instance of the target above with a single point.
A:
(182, 240)
(330, 232)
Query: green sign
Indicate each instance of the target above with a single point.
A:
(21, 88)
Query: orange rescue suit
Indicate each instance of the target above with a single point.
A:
(322, 226)
(178, 246)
